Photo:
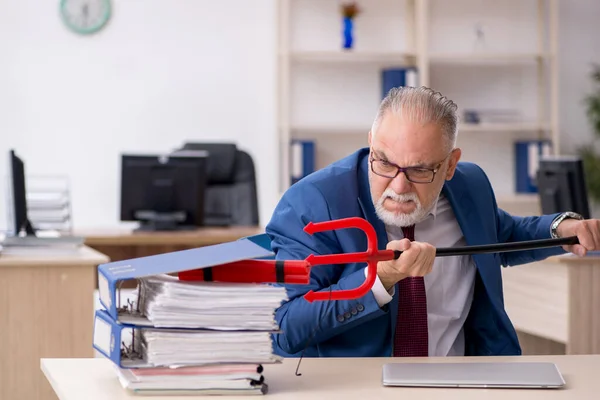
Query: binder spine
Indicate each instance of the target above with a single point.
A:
(107, 293)
(107, 336)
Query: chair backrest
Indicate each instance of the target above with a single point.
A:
(231, 197)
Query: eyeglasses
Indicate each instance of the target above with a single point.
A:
(390, 170)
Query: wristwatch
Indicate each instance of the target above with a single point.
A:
(560, 219)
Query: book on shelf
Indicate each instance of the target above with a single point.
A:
(527, 163)
(397, 77)
(302, 159)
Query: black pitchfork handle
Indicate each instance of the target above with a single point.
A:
(501, 247)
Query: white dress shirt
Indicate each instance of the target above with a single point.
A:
(449, 286)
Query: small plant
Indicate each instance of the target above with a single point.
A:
(591, 160)
(350, 9)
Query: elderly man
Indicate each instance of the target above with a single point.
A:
(410, 185)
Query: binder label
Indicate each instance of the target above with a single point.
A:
(103, 339)
(104, 291)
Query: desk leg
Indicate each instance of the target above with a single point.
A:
(45, 311)
(584, 308)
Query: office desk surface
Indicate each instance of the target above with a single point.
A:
(95, 379)
(52, 257)
(197, 237)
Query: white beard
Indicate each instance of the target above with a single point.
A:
(400, 219)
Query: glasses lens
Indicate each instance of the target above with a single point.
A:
(384, 168)
(419, 175)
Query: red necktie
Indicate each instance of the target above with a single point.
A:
(410, 338)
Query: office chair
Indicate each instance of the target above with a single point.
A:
(231, 197)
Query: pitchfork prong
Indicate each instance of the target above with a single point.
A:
(371, 256)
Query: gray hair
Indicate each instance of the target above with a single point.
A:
(421, 105)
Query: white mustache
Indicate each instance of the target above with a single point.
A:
(399, 197)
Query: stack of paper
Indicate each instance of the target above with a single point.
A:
(205, 337)
(184, 336)
(167, 302)
(211, 379)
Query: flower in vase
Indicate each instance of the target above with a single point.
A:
(350, 9)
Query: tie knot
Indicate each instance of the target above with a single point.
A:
(409, 232)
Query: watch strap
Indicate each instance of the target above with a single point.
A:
(560, 218)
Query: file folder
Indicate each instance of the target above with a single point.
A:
(117, 342)
(112, 274)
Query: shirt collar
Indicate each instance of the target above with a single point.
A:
(434, 209)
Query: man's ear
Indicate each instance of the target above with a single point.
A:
(454, 158)
(370, 138)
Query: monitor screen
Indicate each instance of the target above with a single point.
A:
(19, 224)
(561, 185)
(164, 192)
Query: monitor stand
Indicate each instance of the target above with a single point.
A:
(153, 221)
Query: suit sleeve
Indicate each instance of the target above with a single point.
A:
(298, 319)
(517, 229)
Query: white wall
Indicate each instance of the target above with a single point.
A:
(161, 73)
(579, 48)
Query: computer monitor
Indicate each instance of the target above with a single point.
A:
(164, 192)
(19, 223)
(561, 185)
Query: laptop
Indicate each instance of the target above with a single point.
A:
(535, 375)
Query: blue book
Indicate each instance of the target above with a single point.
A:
(302, 159)
(110, 275)
(527, 160)
(398, 77)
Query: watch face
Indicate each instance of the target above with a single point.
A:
(85, 16)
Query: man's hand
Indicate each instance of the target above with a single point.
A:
(416, 260)
(587, 232)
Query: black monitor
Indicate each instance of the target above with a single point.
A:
(164, 192)
(19, 223)
(561, 185)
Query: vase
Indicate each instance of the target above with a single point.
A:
(348, 32)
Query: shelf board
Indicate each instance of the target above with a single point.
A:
(487, 58)
(522, 198)
(351, 56)
(474, 128)
(522, 204)
(503, 127)
(329, 130)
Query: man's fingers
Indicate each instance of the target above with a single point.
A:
(423, 261)
(578, 249)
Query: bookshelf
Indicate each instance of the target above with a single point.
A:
(330, 95)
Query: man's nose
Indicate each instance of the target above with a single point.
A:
(400, 184)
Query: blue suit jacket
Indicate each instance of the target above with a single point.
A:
(360, 328)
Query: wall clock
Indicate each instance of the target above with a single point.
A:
(85, 16)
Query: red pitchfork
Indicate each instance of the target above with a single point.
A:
(298, 271)
(373, 255)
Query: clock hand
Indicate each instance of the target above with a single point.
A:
(85, 11)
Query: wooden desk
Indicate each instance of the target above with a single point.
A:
(123, 244)
(46, 310)
(556, 304)
(326, 378)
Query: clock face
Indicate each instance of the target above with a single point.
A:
(85, 16)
